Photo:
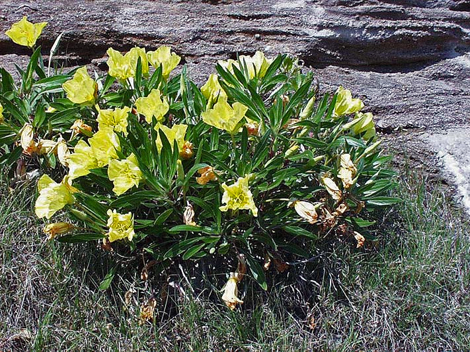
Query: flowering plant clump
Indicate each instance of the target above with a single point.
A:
(254, 164)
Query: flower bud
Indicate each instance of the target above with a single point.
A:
(307, 111)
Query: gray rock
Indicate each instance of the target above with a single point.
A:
(407, 59)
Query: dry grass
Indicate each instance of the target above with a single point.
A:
(411, 293)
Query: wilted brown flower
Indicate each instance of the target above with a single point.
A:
(147, 310)
(188, 215)
(57, 228)
(360, 239)
(80, 127)
(207, 174)
(186, 151)
(231, 292)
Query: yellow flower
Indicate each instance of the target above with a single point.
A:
(125, 174)
(212, 89)
(175, 133)
(53, 196)
(345, 104)
(120, 226)
(347, 172)
(1, 114)
(238, 196)
(152, 105)
(332, 188)
(306, 210)
(257, 65)
(225, 117)
(116, 119)
(25, 33)
(81, 89)
(82, 160)
(104, 145)
(163, 56)
(57, 228)
(134, 55)
(231, 292)
(119, 65)
(362, 123)
(124, 66)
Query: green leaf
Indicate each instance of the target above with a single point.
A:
(7, 83)
(257, 271)
(13, 110)
(359, 222)
(163, 216)
(273, 68)
(134, 199)
(299, 231)
(190, 228)
(40, 116)
(181, 247)
(191, 252)
(81, 237)
(33, 64)
(11, 158)
(104, 285)
(383, 201)
(311, 142)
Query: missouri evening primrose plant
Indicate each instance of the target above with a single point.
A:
(254, 164)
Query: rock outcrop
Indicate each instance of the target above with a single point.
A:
(407, 59)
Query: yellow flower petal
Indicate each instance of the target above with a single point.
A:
(152, 105)
(120, 226)
(104, 145)
(63, 152)
(116, 119)
(212, 90)
(1, 114)
(81, 89)
(345, 104)
(256, 65)
(134, 54)
(225, 117)
(175, 133)
(163, 56)
(52, 196)
(25, 33)
(362, 124)
(119, 66)
(125, 174)
(82, 160)
(238, 196)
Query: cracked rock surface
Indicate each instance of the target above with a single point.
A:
(408, 60)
